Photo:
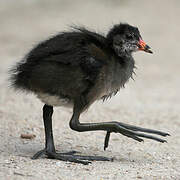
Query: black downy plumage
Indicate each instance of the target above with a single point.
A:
(76, 68)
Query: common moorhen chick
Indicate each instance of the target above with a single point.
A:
(76, 68)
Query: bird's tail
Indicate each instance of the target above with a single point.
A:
(20, 75)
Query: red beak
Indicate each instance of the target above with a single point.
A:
(143, 46)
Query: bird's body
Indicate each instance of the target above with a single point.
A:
(76, 68)
(73, 63)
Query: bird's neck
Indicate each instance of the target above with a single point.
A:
(125, 54)
(125, 59)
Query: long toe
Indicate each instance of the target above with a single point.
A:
(135, 135)
(70, 157)
(140, 129)
(150, 137)
(69, 153)
(106, 141)
(39, 154)
(93, 158)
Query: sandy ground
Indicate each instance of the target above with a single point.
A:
(151, 101)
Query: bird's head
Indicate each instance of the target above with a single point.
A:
(126, 39)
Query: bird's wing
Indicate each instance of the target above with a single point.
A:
(90, 58)
(77, 48)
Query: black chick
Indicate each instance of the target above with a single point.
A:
(76, 68)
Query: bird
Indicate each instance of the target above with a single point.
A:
(74, 69)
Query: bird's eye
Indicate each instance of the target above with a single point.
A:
(129, 36)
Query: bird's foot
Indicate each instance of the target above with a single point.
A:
(69, 156)
(131, 132)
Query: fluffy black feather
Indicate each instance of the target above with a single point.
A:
(72, 63)
(70, 48)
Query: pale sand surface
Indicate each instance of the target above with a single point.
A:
(152, 101)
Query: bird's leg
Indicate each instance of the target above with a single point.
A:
(49, 141)
(117, 127)
(50, 151)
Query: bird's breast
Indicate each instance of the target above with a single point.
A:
(114, 76)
